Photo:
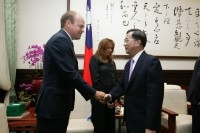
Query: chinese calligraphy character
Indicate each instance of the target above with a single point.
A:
(157, 8)
(178, 10)
(178, 38)
(166, 19)
(187, 38)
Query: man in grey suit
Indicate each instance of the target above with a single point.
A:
(194, 97)
(60, 77)
(142, 86)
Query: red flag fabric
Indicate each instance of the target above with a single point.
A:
(88, 46)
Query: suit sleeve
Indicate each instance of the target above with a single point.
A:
(155, 92)
(118, 89)
(197, 83)
(65, 60)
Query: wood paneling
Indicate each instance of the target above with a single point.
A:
(179, 77)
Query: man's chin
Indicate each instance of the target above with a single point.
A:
(77, 38)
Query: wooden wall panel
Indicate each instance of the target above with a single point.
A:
(179, 77)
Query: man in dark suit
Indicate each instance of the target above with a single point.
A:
(143, 88)
(60, 77)
(194, 97)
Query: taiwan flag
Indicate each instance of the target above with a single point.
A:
(88, 45)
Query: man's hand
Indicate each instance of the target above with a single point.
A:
(99, 95)
(111, 105)
(149, 131)
(107, 98)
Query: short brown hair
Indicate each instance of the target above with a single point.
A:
(69, 15)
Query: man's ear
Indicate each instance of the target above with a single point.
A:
(139, 42)
(68, 23)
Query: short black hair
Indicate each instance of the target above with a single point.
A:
(138, 35)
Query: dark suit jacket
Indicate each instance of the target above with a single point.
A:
(60, 78)
(143, 94)
(194, 87)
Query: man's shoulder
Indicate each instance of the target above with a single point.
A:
(198, 59)
(148, 56)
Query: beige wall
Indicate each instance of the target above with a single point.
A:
(39, 20)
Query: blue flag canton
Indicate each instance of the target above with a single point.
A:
(88, 5)
(89, 36)
(88, 41)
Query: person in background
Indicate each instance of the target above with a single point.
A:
(193, 96)
(60, 77)
(142, 86)
(103, 75)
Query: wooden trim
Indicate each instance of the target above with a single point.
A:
(177, 57)
(68, 5)
(160, 57)
(171, 121)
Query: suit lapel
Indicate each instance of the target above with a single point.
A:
(72, 47)
(126, 74)
(137, 68)
(74, 56)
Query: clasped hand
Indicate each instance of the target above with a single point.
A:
(102, 97)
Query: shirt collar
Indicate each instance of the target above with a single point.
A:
(136, 57)
(68, 35)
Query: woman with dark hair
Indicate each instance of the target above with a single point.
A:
(103, 74)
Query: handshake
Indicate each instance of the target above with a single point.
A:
(102, 97)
